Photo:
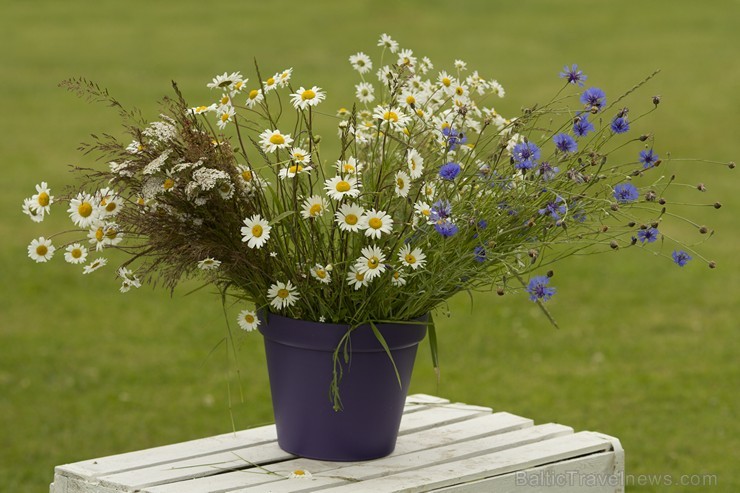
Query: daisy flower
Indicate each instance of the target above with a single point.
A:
(282, 295)
(284, 77)
(42, 199)
(386, 41)
(314, 206)
(339, 187)
(256, 231)
(397, 279)
(357, 279)
(272, 140)
(128, 280)
(426, 65)
(248, 320)
(109, 201)
(406, 58)
(300, 156)
(75, 254)
(412, 258)
(95, 265)
(321, 274)
(199, 110)
(29, 209)
(460, 65)
(104, 235)
(254, 97)
(83, 210)
(423, 209)
(304, 98)
(292, 170)
(209, 263)
(225, 81)
(375, 223)
(300, 474)
(446, 81)
(361, 62)
(394, 118)
(371, 264)
(348, 166)
(429, 190)
(365, 92)
(270, 84)
(349, 217)
(225, 115)
(403, 183)
(415, 163)
(41, 250)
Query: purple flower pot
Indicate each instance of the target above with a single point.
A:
(300, 363)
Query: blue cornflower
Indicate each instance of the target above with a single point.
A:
(626, 192)
(573, 75)
(649, 235)
(648, 158)
(449, 171)
(446, 228)
(554, 210)
(565, 143)
(681, 257)
(480, 254)
(548, 171)
(525, 155)
(620, 125)
(441, 210)
(582, 126)
(538, 289)
(454, 138)
(482, 224)
(594, 97)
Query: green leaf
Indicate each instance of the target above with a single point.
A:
(382, 342)
(280, 217)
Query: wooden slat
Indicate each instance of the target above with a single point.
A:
(455, 433)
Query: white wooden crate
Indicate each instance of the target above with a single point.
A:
(441, 447)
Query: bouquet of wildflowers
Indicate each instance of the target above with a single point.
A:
(431, 191)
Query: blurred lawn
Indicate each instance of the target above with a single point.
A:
(647, 352)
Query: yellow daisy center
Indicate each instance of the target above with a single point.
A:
(410, 100)
(296, 168)
(43, 199)
(99, 234)
(85, 209)
(343, 186)
(426, 212)
(168, 184)
(308, 94)
(420, 113)
(201, 109)
(390, 116)
(373, 262)
(225, 117)
(247, 175)
(375, 223)
(350, 219)
(400, 183)
(359, 276)
(299, 472)
(459, 91)
(348, 168)
(111, 233)
(141, 201)
(283, 293)
(297, 156)
(112, 206)
(76, 253)
(410, 258)
(253, 93)
(277, 139)
(321, 273)
(257, 231)
(239, 85)
(270, 81)
(41, 250)
(396, 275)
(249, 318)
(315, 210)
(446, 81)
(224, 100)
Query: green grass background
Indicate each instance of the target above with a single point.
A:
(647, 352)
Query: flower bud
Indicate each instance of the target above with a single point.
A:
(533, 253)
(656, 100)
(644, 137)
(631, 224)
(500, 291)
(703, 230)
(661, 201)
(550, 273)
(701, 187)
(604, 229)
(614, 245)
(717, 205)
(731, 164)
(651, 196)
(712, 264)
